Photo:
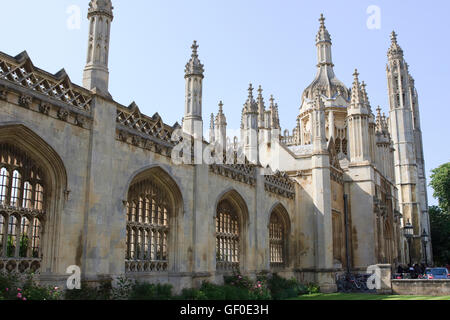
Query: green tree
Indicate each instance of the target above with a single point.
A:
(440, 181)
(440, 233)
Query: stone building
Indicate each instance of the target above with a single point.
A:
(87, 181)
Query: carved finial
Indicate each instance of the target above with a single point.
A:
(220, 118)
(356, 75)
(194, 48)
(393, 37)
(322, 21)
(271, 100)
(260, 90)
(194, 66)
(323, 34)
(395, 49)
(250, 92)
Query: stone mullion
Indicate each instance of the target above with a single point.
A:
(5, 235)
(18, 236)
(149, 246)
(9, 188)
(33, 194)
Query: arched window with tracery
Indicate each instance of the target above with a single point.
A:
(227, 237)
(278, 230)
(148, 211)
(276, 241)
(22, 210)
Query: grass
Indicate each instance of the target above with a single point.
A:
(363, 296)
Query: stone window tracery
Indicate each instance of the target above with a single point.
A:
(227, 237)
(22, 210)
(276, 241)
(147, 228)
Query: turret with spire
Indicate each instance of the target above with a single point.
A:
(404, 127)
(220, 125)
(325, 81)
(192, 121)
(261, 108)
(96, 73)
(249, 131)
(358, 124)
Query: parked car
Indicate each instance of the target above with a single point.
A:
(437, 273)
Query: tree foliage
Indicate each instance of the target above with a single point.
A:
(440, 233)
(440, 181)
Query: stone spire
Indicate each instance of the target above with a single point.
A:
(357, 98)
(194, 66)
(275, 117)
(193, 100)
(379, 120)
(250, 104)
(220, 118)
(360, 138)
(261, 108)
(249, 130)
(221, 127)
(96, 73)
(323, 40)
(211, 129)
(325, 79)
(395, 51)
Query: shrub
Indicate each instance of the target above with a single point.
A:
(282, 288)
(312, 288)
(192, 294)
(150, 291)
(89, 292)
(12, 288)
(213, 291)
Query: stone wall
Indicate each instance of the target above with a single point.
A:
(421, 287)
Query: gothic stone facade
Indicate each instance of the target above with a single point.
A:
(90, 182)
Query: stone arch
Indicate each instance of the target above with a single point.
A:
(278, 210)
(160, 181)
(55, 178)
(234, 199)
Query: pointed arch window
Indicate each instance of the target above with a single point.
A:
(227, 237)
(276, 241)
(22, 210)
(147, 228)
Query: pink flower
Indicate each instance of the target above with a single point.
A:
(24, 299)
(19, 295)
(7, 289)
(259, 285)
(56, 288)
(18, 289)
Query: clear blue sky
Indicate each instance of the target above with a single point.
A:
(264, 42)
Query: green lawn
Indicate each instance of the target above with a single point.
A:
(362, 296)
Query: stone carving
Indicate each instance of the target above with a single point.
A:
(44, 108)
(25, 101)
(80, 120)
(3, 93)
(63, 114)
